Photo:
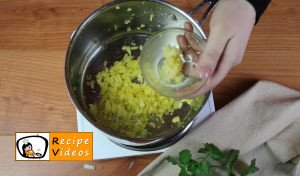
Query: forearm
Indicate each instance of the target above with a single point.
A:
(260, 6)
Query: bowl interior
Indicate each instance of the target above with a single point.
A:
(182, 48)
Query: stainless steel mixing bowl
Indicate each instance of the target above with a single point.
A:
(100, 37)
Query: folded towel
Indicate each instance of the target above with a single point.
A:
(263, 123)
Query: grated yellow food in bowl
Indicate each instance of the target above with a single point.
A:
(127, 103)
(171, 69)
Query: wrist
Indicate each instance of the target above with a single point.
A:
(251, 11)
(229, 13)
(259, 6)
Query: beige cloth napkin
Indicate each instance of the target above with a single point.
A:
(263, 123)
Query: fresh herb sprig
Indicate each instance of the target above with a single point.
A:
(225, 160)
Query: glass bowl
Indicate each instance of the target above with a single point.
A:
(166, 59)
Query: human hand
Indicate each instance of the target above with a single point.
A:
(230, 27)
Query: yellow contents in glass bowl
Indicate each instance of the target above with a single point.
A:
(170, 70)
(127, 102)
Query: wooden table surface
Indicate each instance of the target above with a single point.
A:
(34, 36)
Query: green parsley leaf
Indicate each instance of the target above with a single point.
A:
(185, 156)
(192, 166)
(171, 160)
(183, 172)
(250, 169)
(231, 157)
(212, 151)
(203, 168)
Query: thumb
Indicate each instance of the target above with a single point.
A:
(209, 58)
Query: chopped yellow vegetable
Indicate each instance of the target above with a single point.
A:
(93, 109)
(151, 16)
(105, 64)
(127, 21)
(176, 119)
(91, 83)
(171, 69)
(134, 47)
(127, 102)
(116, 27)
(127, 49)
